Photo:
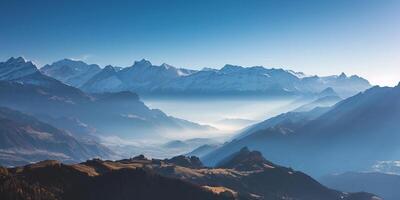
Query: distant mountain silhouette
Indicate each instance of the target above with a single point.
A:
(24, 139)
(351, 135)
(384, 185)
(325, 101)
(203, 150)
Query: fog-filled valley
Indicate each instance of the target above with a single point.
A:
(132, 123)
(321, 126)
(200, 100)
(226, 114)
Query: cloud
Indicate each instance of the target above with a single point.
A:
(84, 57)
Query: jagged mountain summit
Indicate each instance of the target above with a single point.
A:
(176, 178)
(15, 68)
(71, 72)
(24, 72)
(245, 160)
(141, 77)
(148, 79)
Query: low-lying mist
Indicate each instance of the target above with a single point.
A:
(228, 115)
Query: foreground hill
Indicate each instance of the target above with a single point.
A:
(385, 185)
(147, 79)
(24, 139)
(246, 175)
(52, 180)
(23, 87)
(353, 134)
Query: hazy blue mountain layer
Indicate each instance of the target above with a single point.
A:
(24, 139)
(353, 134)
(384, 185)
(23, 87)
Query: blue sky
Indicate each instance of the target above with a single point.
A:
(317, 37)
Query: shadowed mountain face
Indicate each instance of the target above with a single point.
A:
(71, 72)
(24, 139)
(326, 101)
(147, 79)
(352, 135)
(189, 162)
(24, 88)
(385, 185)
(140, 178)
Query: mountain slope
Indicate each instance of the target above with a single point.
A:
(176, 178)
(15, 68)
(25, 72)
(271, 181)
(245, 160)
(384, 185)
(141, 77)
(105, 81)
(148, 79)
(326, 101)
(121, 114)
(25, 139)
(203, 150)
(71, 72)
(53, 180)
(354, 134)
(237, 80)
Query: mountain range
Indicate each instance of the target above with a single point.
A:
(66, 110)
(147, 79)
(68, 124)
(245, 175)
(354, 134)
(120, 114)
(71, 72)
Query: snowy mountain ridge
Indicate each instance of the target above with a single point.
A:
(145, 78)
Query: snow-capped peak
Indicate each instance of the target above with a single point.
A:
(297, 74)
(166, 66)
(109, 67)
(142, 63)
(16, 60)
(15, 68)
(68, 61)
(231, 68)
(343, 75)
(209, 69)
